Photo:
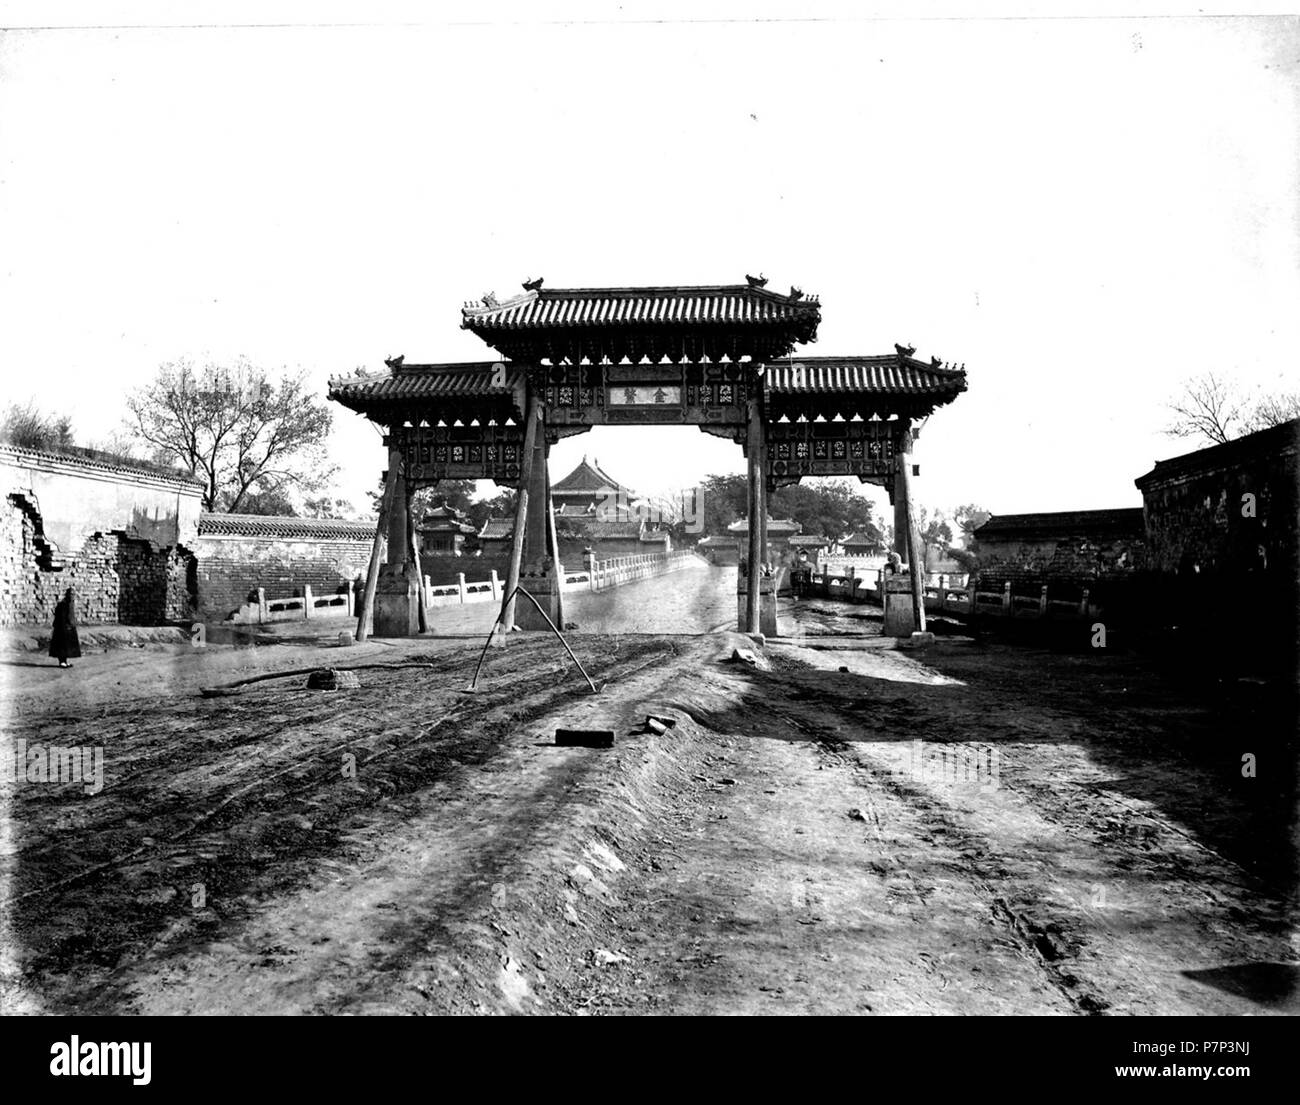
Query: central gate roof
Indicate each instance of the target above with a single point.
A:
(712, 322)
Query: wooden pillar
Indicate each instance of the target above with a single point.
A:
(913, 539)
(531, 418)
(900, 509)
(754, 447)
(414, 540)
(516, 557)
(377, 549)
(399, 536)
(553, 543)
(536, 525)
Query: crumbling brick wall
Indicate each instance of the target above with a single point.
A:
(118, 579)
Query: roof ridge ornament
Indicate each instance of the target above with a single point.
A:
(905, 350)
(533, 285)
(759, 281)
(796, 293)
(393, 362)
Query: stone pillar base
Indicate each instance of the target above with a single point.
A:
(900, 613)
(766, 606)
(545, 588)
(397, 602)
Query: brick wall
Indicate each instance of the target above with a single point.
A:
(1067, 564)
(1198, 523)
(442, 570)
(118, 579)
(229, 568)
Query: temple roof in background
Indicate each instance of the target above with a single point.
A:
(861, 538)
(589, 480)
(775, 526)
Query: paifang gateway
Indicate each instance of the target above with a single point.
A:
(719, 357)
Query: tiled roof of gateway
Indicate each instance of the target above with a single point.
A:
(1124, 521)
(545, 308)
(431, 381)
(638, 325)
(284, 527)
(890, 373)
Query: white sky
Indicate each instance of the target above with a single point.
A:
(1084, 211)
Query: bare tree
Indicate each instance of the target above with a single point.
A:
(1273, 410)
(1216, 410)
(235, 428)
(1207, 407)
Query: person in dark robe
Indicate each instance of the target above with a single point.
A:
(64, 642)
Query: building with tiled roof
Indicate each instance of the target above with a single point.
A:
(443, 530)
(862, 544)
(779, 532)
(589, 489)
(776, 527)
(496, 533)
(593, 511)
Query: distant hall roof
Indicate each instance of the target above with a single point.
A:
(775, 526)
(497, 529)
(588, 478)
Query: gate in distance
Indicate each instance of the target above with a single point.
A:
(716, 357)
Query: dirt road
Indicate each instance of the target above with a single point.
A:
(844, 828)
